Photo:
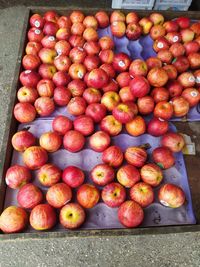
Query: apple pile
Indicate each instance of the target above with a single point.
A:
(68, 65)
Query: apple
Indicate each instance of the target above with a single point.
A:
(73, 141)
(13, 220)
(77, 71)
(92, 95)
(102, 19)
(138, 67)
(22, 140)
(88, 196)
(174, 141)
(84, 124)
(62, 47)
(160, 94)
(136, 156)
(177, 49)
(90, 21)
(50, 141)
(108, 68)
(73, 176)
(61, 124)
(35, 35)
(157, 31)
(132, 17)
(58, 195)
(174, 88)
(186, 79)
(113, 156)
(72, 216)
(157, 127)
(30, 62)
(183, 22)
(191, 47)
(63, 34)
(64, 22)
(110, 100)
(17, 176)
(126, 94)
(45, 87)
(181, 106)
(181, 63)
(47, 55)
(51, 16)
(142, 193)
(77, 16)
(37, 21)
(112, 85)
(106, 43)
(49, 174)
(160, 43)
(153, 62)
(99, 141)
(113, 195)
(96, 111)
(192, 95)
(42, 217)
(133, 31)
(165, 56)
(29, 196)
(171, 195)
(102, 174)
(44, 106)
(157, 18)
(130, 214)
(118, 28)
(62, 63)
(173, 37)
(76, 106)
(136, 126)
(61, 96)
(77, 28)
(123, 79)
(29, 78)
(123, 113)
(90, 34)
(24, 112)
(163, 157)
(61, 78)
(157, 77)
(171, 71)
(128, 175)
(146, 25)
(50, 28)
(76, 87)
(196, 74)
(121, 62)
(187, 35)
(34, 157)
(76, 40)
(106, 56)
(151, 174)
(91, 62)
(32, 48)
(164, 110)
(194, 60)
(117, 15)
(110, 125)
(77, 54)
(92, 48)
(139, 86)
(171, 26)
(47, 71)
(145, 104)
(196, 28)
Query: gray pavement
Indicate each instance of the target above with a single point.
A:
(140, 251)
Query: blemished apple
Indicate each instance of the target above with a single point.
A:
(123, 113)
(136, 127)
(61, 96)
(61, 124)
(142, 193)
(102, 174)
(118, 28)
(35, 157)
(192, 95)
(42, 217)
(30, 62)
(13, 220)
(160, 94)
(133, 31)
(58, 195)
(153, 62)
(113, 195)
(121, 62)
(51, 16)
(72, 216)
(126, 94)
(99, 141)
(49, 174)
(130, 214)
(128, 175)
(73, 141)
(84, 124)
(113, 156)
(174, 141)
(180, 105)
(76, 87)
(17, 176)
(110, 125)
(50, 141)
(73, 176)
(164, 110)
(145, 105)
(96, 111)
(92, 95)
(136, 156)
(44, 106)
(22, 140)
(157, 127)
(174, 88)
(102, 19)
(110, 100)
(45, 87)
(151, 174)
(123, 79)
(29, 196)
(27, 94)
(77, 106)
(171, 195)
(157, 77)
(88, 196)
(24, 112)
(139, 86)
(163, 157)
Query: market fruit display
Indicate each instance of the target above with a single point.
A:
(91, 93)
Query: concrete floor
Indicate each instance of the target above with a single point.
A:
(151, 250)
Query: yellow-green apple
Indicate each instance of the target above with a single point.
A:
(113, 156)
(110, 100)
(42, 217)
(160, 94)
(76, 40)
(160, 43)
(73, 141)
(58, 195)
(62, 47)
(47, 55)
(194, 60)
(77, 28)
(47, 71)
(76, 106)
(37, 21)
(133, 31)
(99, 141)
(96, 111)
(84, 124)
(44, 106)
(88, 196)
(177, 49)
(136, 156)
(22, 140)
(90, 21)
(97, 78)
(32, 48)
(113, 195)
(164, 110)
(61, 124)
(24, 112)
(102, 19)
(76, 87)
(187, 35)
(180, 105)
(64, 22)
(146, 25)
(92, 95)
(92, 48)
(171, 26)
(123, 79)
(157, 18)
(128, 175)
(13, 220)
(62, 62)
(183, 22)
(106, 42)
(17, 176)
(171, 195)
(49, 174)
(61, 96)
(123, 113)
(126, 94)
(174, 88)
(91, 62)
(153, 62)
(145, 104)
(139, 86)
(118, 28)
(73, 176)
(51, 16)
(108, 68)
(132, 17)
(29, 78)
(77, 71)
(50, 28)
(151, 174)
(35, 35)
(157, 77)
(29, 196)
(174, 141)
(136, 126)
(142, 193)
(163, 157)
(121, 62)
(130, 214)
(192, 95)
(157, 127)
(48, 41)
(171, 71)
(90, 34)
(165, 56)
(30, 62)
(173, 37)
(45, 87)
(50, 141)
(102, 174)
(35, 157)
(117, 15)
(110, 125)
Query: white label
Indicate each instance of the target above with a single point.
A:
(121, 63)
(160, 45)
(114, 23)
(161, 119)
(175, 39)
(7, 181)
(197, 79)
(191, 79)
(27, 71)
(80, 74)
(51, 38)
(37, 24)
(194, 94)
(171, 102)
(59, 51)
(37, 31)
(80, 48)
(164, 203)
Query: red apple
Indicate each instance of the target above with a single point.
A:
(97, 78)
(35, 35)
(191, 47)
(123, 79)
(77, 28)
(92, 48)
(102, 18)
(73, 141)
(24, 112)
(186, 79)
(102, 174)
(113, 156)
(163, 157)
(22, 140)
(171, 26)
(73, 176)
(160, 44)
(123, 113)
(106, 56)
(180, 105)
(37, 21)
(96, 111)
(49, 175)
(76, 40)
(196, 28)
(32, 48)
(91, 62)
(84, 124)
(136, 126)
(44, 106)
(88, 196)
(187, 35)
(145, 105)
(174, 88)
(117, 15)
(121, 62)
(110, 100)
(132, 17)
(160, 94)
(29, 78)
(51, 16)
(128, 175)
(61, 124)
(153, 62)
(62, 63)
(47, 71)
(171, 195)
(163, 110)
(99, 141)
(64, 22)
(90, 34)
(35, 157)
(58, 195)
(173, 37)
(45, 87)
(181, 63)
(112, 85)
(113, 195)
(118, 28)
(197, 77)
(138, 67)
(76, 106)
(194, 60)
(108, 68)
(146, 25)
(50, 28)
(133, 31)
(77, 16)
(157, 18)
(61, 78)
(50, 141)
(106, 42)
(136, 156)
(62, 47)
(174, 141)
(171, 71)
(30, 62)
(77, 71)
(47, 55)
(76, 87)
(177, 49)
(92, 95)
(142, 193)
(192, 95)
(157, 77)
(110, 125)
(183, 22)
(157, 127)
(157, 31)
(61, 96)
(77, 55)
(139, 86)
(165, 56)
(48, 41)
(17, 176)
(90, 21)
(151, 174)
(29, 196)
(126, 94)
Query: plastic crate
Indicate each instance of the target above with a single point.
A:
(179, 5)
(133, 4)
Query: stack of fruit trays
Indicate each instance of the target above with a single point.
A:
(95, 148)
